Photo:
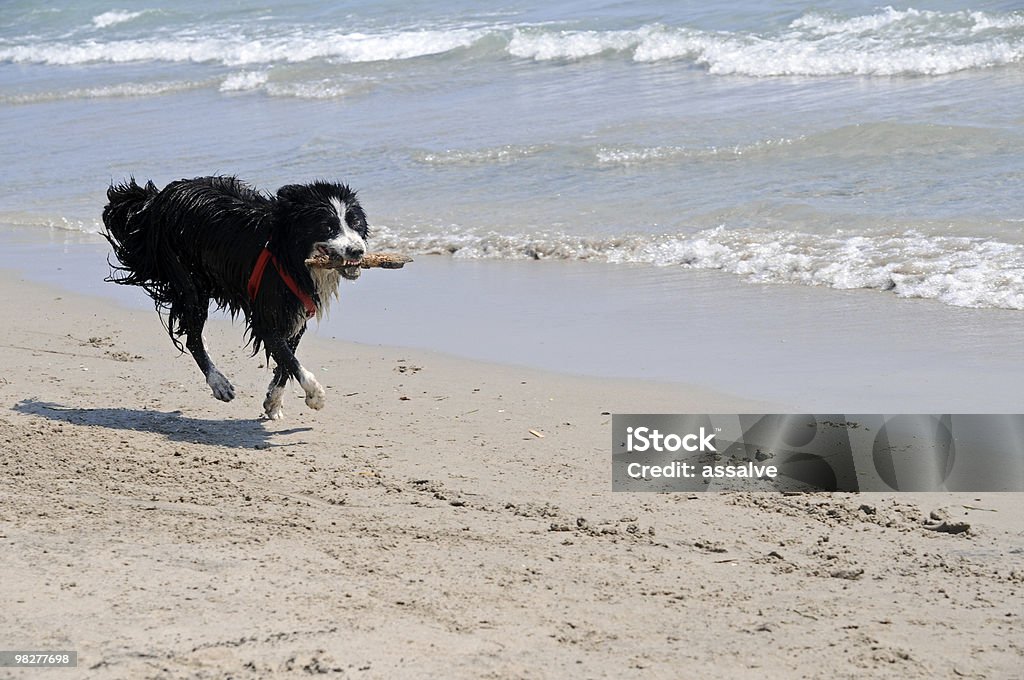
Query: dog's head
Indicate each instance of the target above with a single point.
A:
(327, 218)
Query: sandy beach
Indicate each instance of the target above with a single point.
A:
(614, 208)
(418, 526)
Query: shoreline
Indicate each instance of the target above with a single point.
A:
(417, 526)
(131, 301)
(800, 348)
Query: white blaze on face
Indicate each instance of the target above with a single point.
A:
(349, 237)
(325, 281)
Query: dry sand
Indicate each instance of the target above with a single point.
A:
(416, 528)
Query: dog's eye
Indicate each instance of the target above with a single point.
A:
(354, 222)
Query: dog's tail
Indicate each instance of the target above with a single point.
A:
(125, 228)
(127, 234)
(136, 245)
(124, 201)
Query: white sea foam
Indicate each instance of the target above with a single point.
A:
(116, 16)
(105, 91)
(897, 21)
(884, 43)
(958, 271)
(603, 155)
(236, 50)
(889, 42)
(632, 155)
(20, 219)
(244, 80)
(403, 45)
(320, 89)
(508, 153)
(248, 81)
(543, 45)
(834, 55)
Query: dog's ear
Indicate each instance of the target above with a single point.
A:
(292, 193)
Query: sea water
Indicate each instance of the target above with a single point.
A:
(835, 145)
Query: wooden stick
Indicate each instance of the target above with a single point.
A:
(370, 260)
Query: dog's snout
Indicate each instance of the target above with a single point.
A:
(354, 252)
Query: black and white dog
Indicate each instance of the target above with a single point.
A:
(216, 238)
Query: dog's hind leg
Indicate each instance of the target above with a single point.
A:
(290, 367)
(273, 404)
(193, 321)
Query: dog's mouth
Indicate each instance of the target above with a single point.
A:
(349, 268)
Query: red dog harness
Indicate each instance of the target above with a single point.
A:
(257, 277)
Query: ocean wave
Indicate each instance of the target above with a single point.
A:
(888, 42)
(244, 80)
(543, 45)
(600, 156)
(113, 17)
(958, 271)
(232, 49)
(321, 89)
(897, 21)
(259, 81)
(860, 140)
(105, 91)
(508, 153)
(849, 140)
(38, 222)
(885, 139)
(625, 156)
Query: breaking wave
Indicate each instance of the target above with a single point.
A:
(888, 42)
(958, 271)
(113, 17)
(891, 42)
(106, 91)
(232, 49)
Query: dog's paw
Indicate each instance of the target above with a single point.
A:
(315, 395)
(316, 398)
(272, 405)
(221, 386)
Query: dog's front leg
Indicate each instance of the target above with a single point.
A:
(286, 361)
(273, 405)
(315, 395)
